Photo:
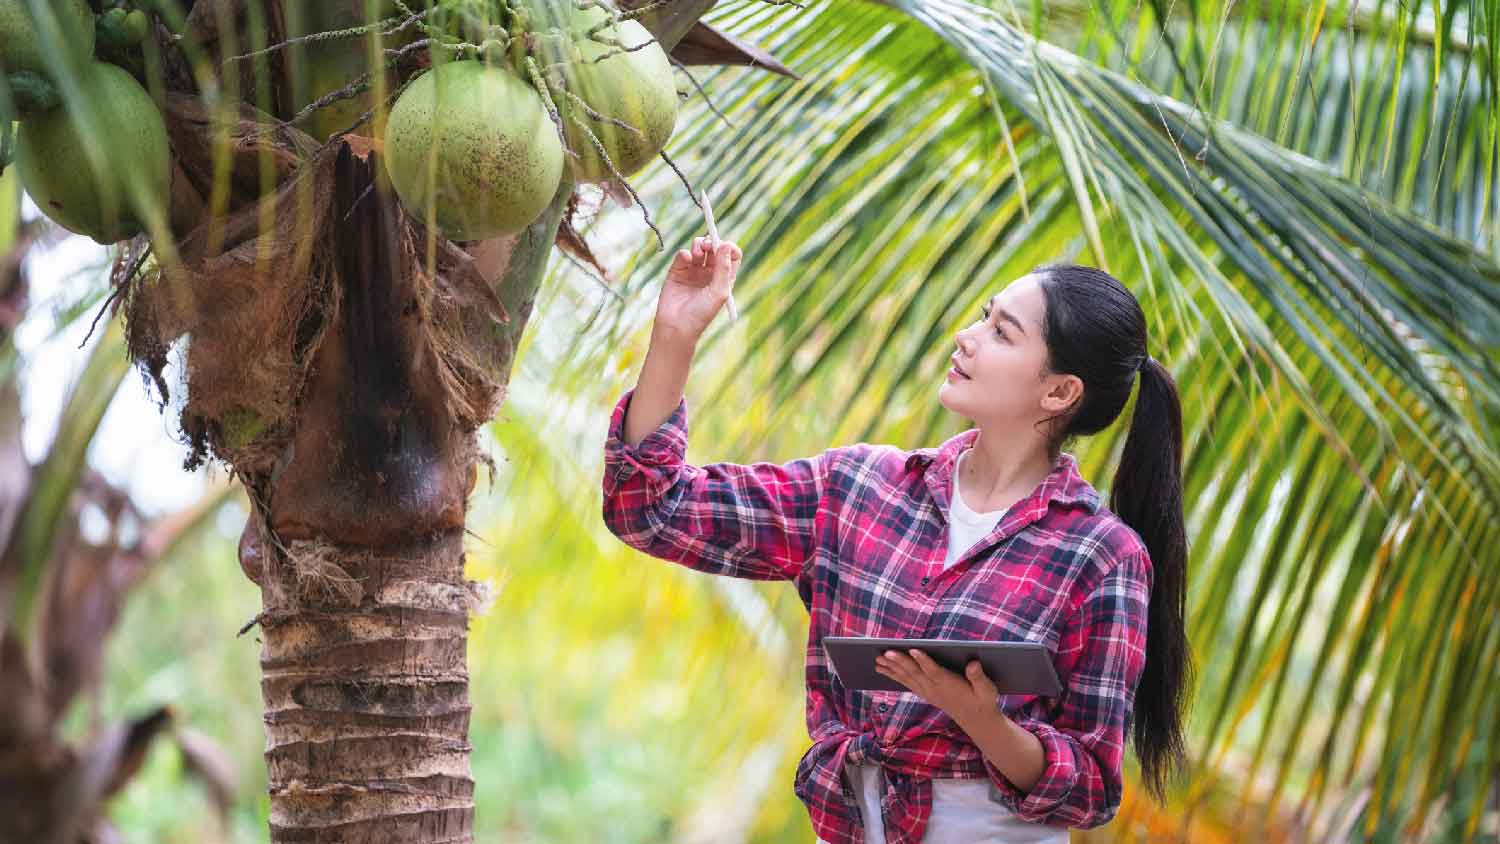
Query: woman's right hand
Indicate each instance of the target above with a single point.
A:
(697, 284)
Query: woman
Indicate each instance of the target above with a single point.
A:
(990, 535)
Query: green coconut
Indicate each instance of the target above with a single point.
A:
(120, 30)
(106, 200)
(634, 87)
(471, 145)
(20, 34)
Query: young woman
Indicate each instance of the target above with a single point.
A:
(990, 535)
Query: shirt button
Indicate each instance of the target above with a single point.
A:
(924, 580)
(884, 706)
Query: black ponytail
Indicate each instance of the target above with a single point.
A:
(1147, 495)
(1095, 329)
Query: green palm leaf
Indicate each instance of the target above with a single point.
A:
(1334, 333)
(1302, 75)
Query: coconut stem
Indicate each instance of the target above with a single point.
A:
(356, 86)
(615, 15)
(692, 194)
(600, 117)
(541, 87)
(349, 91)
(629, 14)
(435, 35)
(706, 98)
(504, 42)
(412, 17)
(617, 43)
(609, 11)
(604, 156)
(361, 120)
(611, 17)
(328, 35)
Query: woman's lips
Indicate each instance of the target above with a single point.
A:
(955, 371)
(954, 374)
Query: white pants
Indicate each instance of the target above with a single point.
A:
(962, 813)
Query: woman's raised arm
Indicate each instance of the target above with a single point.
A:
(756, 521)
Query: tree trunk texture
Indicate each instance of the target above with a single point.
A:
(357, 543)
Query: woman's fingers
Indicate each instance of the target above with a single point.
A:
(710, 264)
(726, 266)
(923, 661)
(891, 661)
(704, 250)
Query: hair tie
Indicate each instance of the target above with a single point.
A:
(1146, 358)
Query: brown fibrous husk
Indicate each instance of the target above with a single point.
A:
(251, 290)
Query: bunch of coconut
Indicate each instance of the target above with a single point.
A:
(522, 95)
(91, 146)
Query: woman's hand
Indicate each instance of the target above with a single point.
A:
(696, 286)
(965, 697)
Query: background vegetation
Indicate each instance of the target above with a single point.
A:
(1322, 279)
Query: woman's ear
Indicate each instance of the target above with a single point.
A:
(1063, 392)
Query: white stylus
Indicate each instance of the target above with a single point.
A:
(713, 237)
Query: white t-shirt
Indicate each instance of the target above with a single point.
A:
(965, 526)
(962, 809)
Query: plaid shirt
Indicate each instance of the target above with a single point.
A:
(862, 532)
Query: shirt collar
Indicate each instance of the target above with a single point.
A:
(1063, 486)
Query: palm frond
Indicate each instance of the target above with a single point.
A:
(55, 478)
(1336, 353)
(1400, 101)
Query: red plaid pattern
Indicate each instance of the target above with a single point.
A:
(861, 530)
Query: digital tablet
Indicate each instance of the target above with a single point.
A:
(1016, 668)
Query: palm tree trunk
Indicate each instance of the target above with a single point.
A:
(357, 544)
(367, 706)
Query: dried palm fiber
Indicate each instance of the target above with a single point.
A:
(254, 288)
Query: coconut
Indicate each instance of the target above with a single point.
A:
(20, 34)
(105, 199)
(472, 146)
(634, 87)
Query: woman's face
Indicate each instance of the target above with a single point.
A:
(1001, 361)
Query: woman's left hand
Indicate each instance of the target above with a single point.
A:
(963, 696)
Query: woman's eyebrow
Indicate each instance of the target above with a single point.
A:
(1006, 315)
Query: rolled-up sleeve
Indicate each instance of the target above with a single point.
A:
(756, 521)
(1084, 745)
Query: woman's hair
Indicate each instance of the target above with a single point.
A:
(1095, 330)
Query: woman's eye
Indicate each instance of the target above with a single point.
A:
(985, 312)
